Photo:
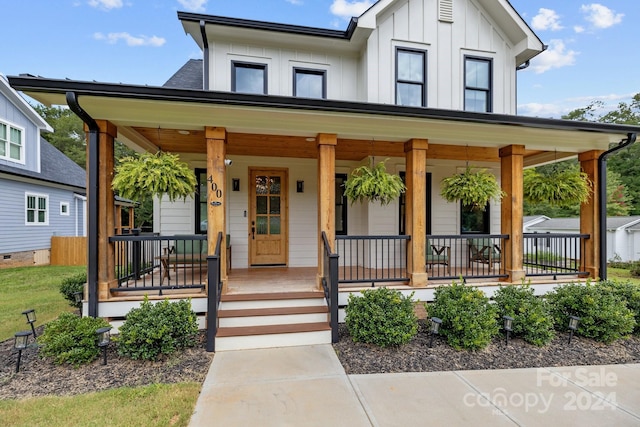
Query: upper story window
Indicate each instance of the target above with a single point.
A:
(11, 143)
(309, 83)
(411, 71)
(477, 84)
(36, 209)
(248, 77)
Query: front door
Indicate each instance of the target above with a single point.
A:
(268, 219)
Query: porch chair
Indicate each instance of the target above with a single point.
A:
(484, 251)
(437, 255)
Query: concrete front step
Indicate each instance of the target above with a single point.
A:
(272, 316)
(268, 336)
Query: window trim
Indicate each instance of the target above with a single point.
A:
(486, 220)
(402, 219)
(489, 91)
(345, 207)
(37, 196)
(313, 71)
(197, 217)
(253, 65)
(62, 206)
(7, 155)
(423, 84)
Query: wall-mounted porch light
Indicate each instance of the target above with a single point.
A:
(508, 327)
(20, 343)
(300, 186)
(434, 329)
(235, 184)
(573, 326)
(104, 338)
(31, 319)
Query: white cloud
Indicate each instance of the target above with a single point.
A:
(578, 29)
(556, 56)
(347, 9)
(534, 109)
(546, 19)
(601, 16)
(113, 38)
(193, 5)
(106, 4)
(562, 107)
(295, 2)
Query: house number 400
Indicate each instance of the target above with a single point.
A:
(214, 187)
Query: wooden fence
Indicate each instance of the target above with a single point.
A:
(68, 250)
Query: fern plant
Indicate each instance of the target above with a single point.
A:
(472, 187)
(565, 188)
(155, 175)
(373, 184)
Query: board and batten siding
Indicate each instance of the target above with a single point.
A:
(12, 115)
(414, 24)
(15, 235)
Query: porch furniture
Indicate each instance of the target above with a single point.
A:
(484, 251)
(186, 253)
(438, 255)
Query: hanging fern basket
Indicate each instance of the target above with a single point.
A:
(473, 187)
(565, 188)
(373, 184)
(154, 174)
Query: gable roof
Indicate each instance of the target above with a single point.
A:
(55, 168)
(22, 105)
(189, 76)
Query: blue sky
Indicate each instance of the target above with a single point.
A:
(591, 53)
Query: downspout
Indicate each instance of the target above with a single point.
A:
(205, 56)
(92, 195)
(602, 200)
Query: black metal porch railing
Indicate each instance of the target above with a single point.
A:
(330, 285)
(468, 256)
(151, 262)
(554, 254)
(214, 292)
(372, 259)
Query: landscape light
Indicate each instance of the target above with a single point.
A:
(435, 328)
(508, 323)
(573, 326)
(20, 343)
(104, 338)
(31, 319)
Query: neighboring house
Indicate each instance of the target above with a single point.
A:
(623, 234)
(42, 190)
(428, 84)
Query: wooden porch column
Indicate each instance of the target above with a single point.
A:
(511, 170)
(589, 219)
(326, 195)
(216, 194)
(416, 207)
(106, 209)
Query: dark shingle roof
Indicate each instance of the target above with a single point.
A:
(55, 167)
(187, 77)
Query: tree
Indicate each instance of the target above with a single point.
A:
(68, 132)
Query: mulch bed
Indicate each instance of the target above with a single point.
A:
(40, 377)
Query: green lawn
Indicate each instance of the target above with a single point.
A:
(31, 287)
(621, 274)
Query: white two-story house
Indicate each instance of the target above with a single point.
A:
(275, 117)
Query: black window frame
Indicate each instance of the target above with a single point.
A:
(402, 203)
(200, 172)
(252, 65)
(341, 201)
(423, 83)
(310, 71)
(488, 91)
(486, 219)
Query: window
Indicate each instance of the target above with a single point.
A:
(201, 202)
(36, 209)
(309, 83)
(477, 84)
(11, 144)
(64, 208)
(402, 202)
(473, 220)
(411, 67)
(248, 78)
(341, 204)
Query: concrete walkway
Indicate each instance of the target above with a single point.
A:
(307, 386)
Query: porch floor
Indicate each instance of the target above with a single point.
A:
(272, 279)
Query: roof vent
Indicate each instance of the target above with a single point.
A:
(445, 10)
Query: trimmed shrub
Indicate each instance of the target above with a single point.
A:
(630, 292)
(531, 317)
(71, 339)
(381, 316)
(468, 319)
(603, 313)
(157, 329)
(71, 285)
